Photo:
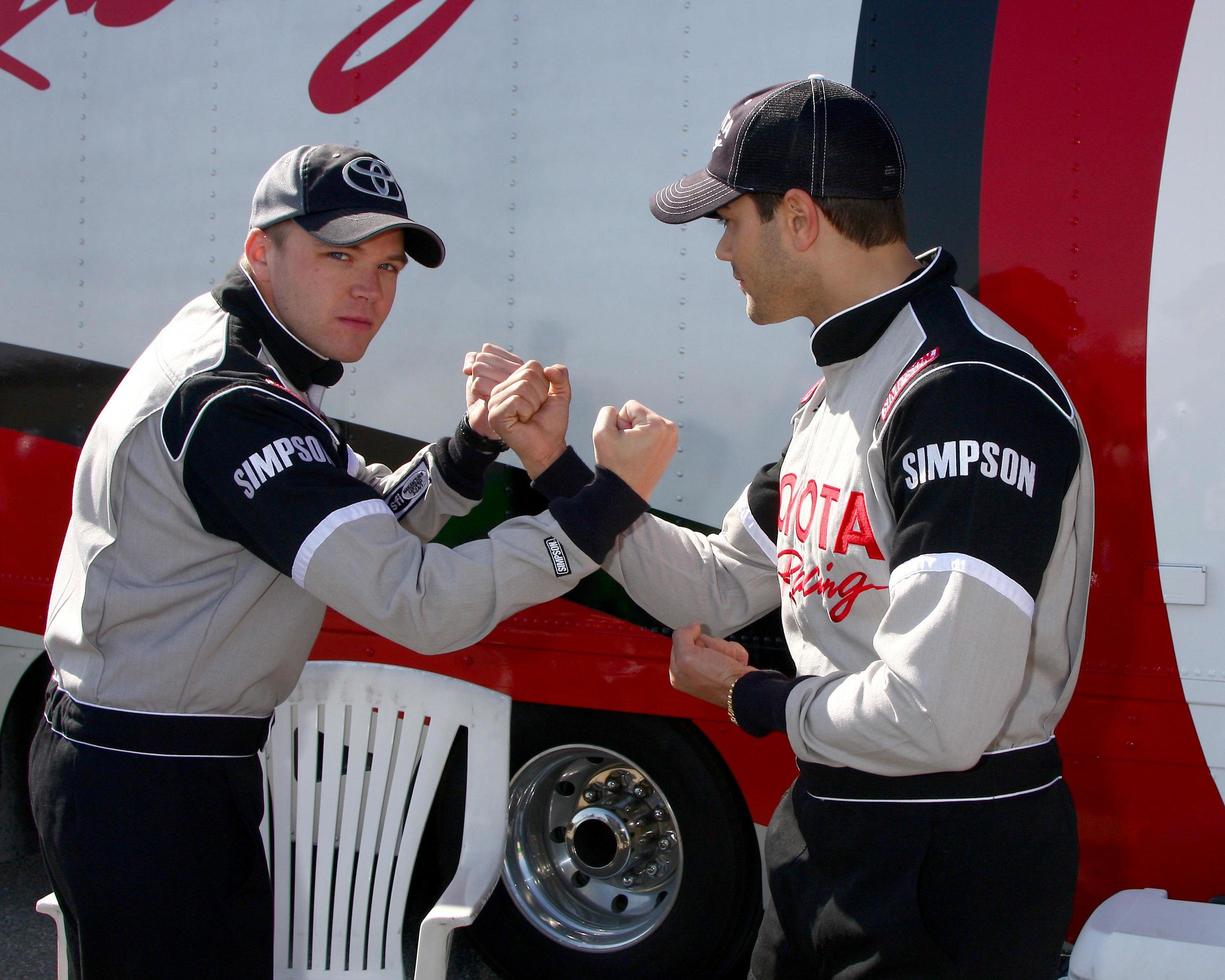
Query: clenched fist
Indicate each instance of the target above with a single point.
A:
(705, 666)
(484, 369)
(635, 443)
(530, 411)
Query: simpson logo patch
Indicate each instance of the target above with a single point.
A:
(965, 457)
(408, 492)
(276, 457)
(561, 565)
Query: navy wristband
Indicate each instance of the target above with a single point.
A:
(565, 477)
(594, 516)
(481, 444)
(464, 457)
(759, 701)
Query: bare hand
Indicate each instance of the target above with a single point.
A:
(705, 666)
(486, 368)
(635, 443)
(530, 410)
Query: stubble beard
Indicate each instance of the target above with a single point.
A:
(771, 281)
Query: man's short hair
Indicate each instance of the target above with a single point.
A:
(278, 232)
(866, 222)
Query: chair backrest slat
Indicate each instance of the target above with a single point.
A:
(306, 741)
(382, 737)
(412, 733)
(396, 862)
(280, 789)
(335, 717)
(348, 825)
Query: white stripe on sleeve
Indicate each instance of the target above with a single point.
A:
(754, 529)
(976, 568)
(323, 530)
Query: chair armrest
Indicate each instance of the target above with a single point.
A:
(49, 905)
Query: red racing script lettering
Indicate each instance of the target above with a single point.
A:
(109, 13)
(333, 87)
(809, 581)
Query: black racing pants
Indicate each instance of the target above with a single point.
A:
(926, 891)
(156, 860)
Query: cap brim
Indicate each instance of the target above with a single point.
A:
(349, 228)
(695, 196)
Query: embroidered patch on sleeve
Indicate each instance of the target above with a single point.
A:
(406, 494)
(561, 565)
(904, 379)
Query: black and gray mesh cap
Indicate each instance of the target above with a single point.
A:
(815, 134)
(342, 195)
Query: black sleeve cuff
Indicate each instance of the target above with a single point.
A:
(463, 459)
(600, 511)
(759, 700)
(565, 478)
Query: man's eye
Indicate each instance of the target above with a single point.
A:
(340, 256)
(390, 267)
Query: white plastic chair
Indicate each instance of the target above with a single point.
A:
(339, 908)
(1141, 934)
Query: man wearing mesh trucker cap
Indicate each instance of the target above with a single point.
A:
(217, 511)
(927, 533)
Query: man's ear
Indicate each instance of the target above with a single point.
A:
(255, 250)
(801, 218)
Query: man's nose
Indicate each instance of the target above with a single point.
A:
(723, 251)
(367, 284)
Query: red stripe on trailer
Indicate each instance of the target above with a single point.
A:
(1077, 112)
(35, 503)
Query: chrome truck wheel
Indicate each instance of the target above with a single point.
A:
(593, 857)
(629, 853)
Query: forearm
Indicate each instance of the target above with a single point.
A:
(679, 576)
(436, 599)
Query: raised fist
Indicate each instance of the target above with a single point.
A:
(635, 443)
(484, 369)
(530, 411)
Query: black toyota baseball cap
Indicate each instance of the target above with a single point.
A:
(816, 134)
(342, 195)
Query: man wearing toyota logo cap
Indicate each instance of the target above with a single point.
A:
(217, 511)
(927, 533)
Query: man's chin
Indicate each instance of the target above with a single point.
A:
(759, 316)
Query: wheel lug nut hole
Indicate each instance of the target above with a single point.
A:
(579, 879)
(558, 835)
(565, 788)
(620, 903)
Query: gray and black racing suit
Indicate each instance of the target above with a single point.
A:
(928, 533)
(216, 513)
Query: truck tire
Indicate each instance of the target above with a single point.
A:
(25, 710)
(630, 853)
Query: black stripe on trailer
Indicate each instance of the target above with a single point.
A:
(928, 66)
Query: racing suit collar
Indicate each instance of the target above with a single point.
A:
(237, 295)
(852, 332)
